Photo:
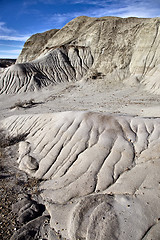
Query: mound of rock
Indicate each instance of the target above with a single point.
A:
(61, 65)
(100, 172)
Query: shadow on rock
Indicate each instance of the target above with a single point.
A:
(30, 216)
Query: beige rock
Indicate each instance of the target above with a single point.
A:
(101, 172)
(119, 50)
(33, 46)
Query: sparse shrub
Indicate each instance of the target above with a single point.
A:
(95, 74)
(6, 140)
(24, 104)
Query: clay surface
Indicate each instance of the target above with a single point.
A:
(98, 168)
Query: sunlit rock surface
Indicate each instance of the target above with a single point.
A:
(100, 171)
(119, 50)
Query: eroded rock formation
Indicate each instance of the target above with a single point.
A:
(101, 172)
(61, 65)
(125, 50)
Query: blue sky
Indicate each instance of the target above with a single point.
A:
(19, 19)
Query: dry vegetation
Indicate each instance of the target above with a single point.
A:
(12, 183)
(25, 104)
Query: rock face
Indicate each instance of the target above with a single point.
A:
(101, 172)
(125, 50)
(33, 47)
(61, 65)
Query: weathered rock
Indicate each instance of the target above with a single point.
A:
(27, 209)
(121, 50)
(34, 45)
(32, 230)
(60, 65)
(24, 199)
(29, 215)
(101, 172)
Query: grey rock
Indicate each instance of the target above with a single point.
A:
(24, 200)
(28, 212)
(100, 172)
(27, 209)
(60, 65)
(31, 230)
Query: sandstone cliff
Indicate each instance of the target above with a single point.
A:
(116, 49)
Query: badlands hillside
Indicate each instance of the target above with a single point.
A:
(120, 50)
(80, 114)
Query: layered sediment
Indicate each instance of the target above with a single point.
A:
(86, 47)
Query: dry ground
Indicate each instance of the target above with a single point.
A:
(12, 183)
(92, 95)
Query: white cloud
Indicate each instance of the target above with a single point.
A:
(11, 34)
(121, 8)
(13, 54)
(4, 29)
(127, 8)
(58, 20)
(10, 56)
(15, 51)
(35, 2)
(136, 9)
(22, 38)
(11, 45)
